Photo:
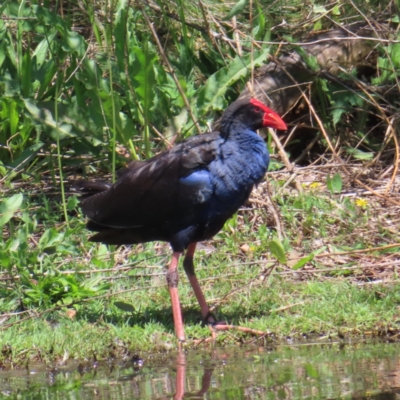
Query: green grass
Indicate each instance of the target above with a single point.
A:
(120, 303)
(101, 330)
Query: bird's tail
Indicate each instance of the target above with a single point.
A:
(118, 236)
(88, 188)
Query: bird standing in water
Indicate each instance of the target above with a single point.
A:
(186, 194)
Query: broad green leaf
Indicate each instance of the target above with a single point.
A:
(310, 60)
(302, 262)
(3, 46)
(44, 116)
(336, 114)
(120, 32)
(2, 7)
(50, 238)
(335, 183)
(3, 169)
(345, 102)
(5, 259)
(12, 86)
(72, 202)
(259, 27)
(237, 8)
(277, 250)
(142, 69)
(89, 74)
(124, 306)
(8, 207)
(318, 25)
(210, 96)
(311, 371)
(96, 285)
(11, 53)
(359, 155)
(26, 76)
(45, 76)
(74, 43)
(395, 54)
(14, 245)
(144, 79)
(319, 9)
(13, 115)
(26, 155)
(42, 48)
(336, 10)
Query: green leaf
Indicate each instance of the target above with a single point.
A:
(88, 75)
(72, 202)
(210, 96)
(335, 183)
(318, 9)
(26, 78)
(277, 250)
(336, 115)
(9, 207)
(310, 60)
(120, 32)
(42, 48)
(336, 10)
(359, 155)
(50, 238)
(395, 54)
(124, 306)
(143, 72)
(258, 32)
(318, 25)
(311, 371)
(45, 117)
(26, 156)
(74, 43)
(302, 262)
(45, 76)
(13, 115)
(237, 8)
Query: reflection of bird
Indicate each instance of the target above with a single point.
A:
(186, 194)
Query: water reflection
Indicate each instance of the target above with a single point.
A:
(286, 372)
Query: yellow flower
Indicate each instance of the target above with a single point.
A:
(315, 185)
(362, 203)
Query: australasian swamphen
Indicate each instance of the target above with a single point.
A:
(185, 195)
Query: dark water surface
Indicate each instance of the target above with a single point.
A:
(317, 371)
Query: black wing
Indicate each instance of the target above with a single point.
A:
(169, 189)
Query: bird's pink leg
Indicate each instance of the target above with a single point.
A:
(189, 269)
(205, 309)
(180, 376)
(172, 280)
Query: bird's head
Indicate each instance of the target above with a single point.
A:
(251, 113)
(270, 118)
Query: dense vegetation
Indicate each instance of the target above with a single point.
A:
(84, 86)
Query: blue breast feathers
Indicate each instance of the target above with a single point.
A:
(242, 163)
(225, 185)
(199, 184)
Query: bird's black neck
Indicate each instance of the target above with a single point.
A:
(234, 129)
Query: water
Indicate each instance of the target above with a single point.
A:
(313, 371)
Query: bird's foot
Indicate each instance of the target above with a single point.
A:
(211, 320)
(216, 325)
